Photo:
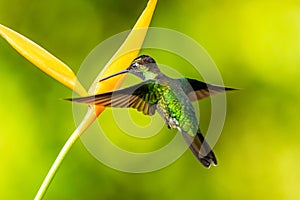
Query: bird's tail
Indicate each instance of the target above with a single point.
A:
(201, 149)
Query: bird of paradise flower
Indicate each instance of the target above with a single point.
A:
(64, 74)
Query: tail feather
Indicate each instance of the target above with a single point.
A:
(201, 149)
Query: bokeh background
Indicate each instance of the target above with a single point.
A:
(255, 44)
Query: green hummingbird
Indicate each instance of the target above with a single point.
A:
(171, 98)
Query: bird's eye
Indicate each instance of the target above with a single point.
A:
(134, 65)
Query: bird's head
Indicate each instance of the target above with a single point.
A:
(143, 66)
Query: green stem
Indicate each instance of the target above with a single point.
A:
(86, 122)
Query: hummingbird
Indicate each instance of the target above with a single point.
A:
(171, 98)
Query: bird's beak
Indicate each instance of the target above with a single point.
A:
(133, 64)
(118, 73)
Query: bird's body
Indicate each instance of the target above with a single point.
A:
(174, 105)
(171, 98)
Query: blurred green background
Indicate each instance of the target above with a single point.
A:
(255, 44)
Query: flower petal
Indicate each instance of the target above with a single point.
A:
(42, 59)
(125, 54)
(115, 64)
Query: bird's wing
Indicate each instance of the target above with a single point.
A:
(143, 97)
(197, 90)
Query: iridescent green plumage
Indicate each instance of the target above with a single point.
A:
(171, 98)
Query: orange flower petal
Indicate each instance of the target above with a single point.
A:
(42, 59)
(118, 62)
(125, 54)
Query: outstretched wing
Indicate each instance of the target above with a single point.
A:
(143, 97)
(197, 90)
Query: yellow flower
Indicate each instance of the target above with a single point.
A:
(64, 74)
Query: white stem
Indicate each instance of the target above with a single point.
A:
(86, 122)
